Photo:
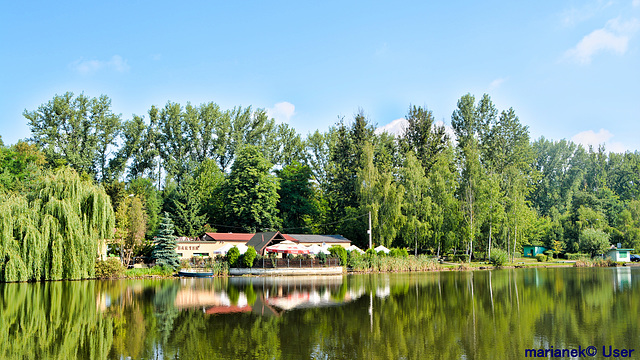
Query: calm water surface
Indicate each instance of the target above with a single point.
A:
(439, 315)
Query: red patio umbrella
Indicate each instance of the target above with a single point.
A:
(287, 247)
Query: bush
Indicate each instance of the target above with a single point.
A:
(398, 253)
(460, 258)
(498, 257)
(576, 256)
(339, 252)
(158, 270)
(232, 256)
(322, 257)
(110, 268)
(249, 256)
(549, 254)
(541, 257)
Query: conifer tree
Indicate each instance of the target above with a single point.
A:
(165, 250)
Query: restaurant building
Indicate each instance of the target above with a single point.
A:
(207, 244)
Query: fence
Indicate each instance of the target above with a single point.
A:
(267, 263)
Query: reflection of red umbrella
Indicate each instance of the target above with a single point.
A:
(288, 247)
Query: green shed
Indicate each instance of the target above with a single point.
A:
(532, 251)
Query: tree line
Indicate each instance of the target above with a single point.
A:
(236, 170)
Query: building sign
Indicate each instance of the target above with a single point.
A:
(184, 247)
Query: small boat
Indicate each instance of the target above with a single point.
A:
(195, 273)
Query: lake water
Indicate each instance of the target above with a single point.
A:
(437, 315)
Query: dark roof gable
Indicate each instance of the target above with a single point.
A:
(260, 241)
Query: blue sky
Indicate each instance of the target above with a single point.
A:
(570, 69)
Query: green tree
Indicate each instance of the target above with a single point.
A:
(298, 204)
(466, 123)
(423, 137)
(417, 205)
(164, 252)
(151, 202)
(20, 167)
(131, 226)
(78, 131)
(379, 194)
(55, 231)
(594, 242)
(251, 193)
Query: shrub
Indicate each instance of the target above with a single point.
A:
(158, 270)
(110, 268)
(232, 256)
(339, 252)
(249, 256)
(498, 257)
(397, 252)
(549, 254)
(576, 256)
(371, 252)
(541, 257)
(322, 257)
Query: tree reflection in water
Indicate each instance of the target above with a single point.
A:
(475, 315)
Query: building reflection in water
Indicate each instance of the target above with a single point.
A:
(268, 296)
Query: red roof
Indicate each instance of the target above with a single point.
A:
(289, 237)
(230, 236)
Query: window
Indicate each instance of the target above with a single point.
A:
(623, 254)
(201, 254)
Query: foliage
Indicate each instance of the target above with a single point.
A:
(79, 131)
(158, 270)
(232, 256)
(339, 252)
(398, 252)
(164, 252)
(54, 231)
(110, 268)
(541, 257)
(298, 204)
(576, 256)
(251, 193)
(594, 242)
(131, 225)
(249, 256)
(499, 257)
(488, 187)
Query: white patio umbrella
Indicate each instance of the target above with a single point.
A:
(355, 248)
(288, 247)
(226, 247)
(382, 248)
(316, 249)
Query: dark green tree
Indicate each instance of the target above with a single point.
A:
(164, 251)
(251, 193)
(298, 204)
(423, 137)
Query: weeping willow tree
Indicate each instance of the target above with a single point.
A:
(54, 231)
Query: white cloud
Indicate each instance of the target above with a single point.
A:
(282, 111)
(636, 2)
(613, 37)
(396, 127)
(116, 63)
(496, 83)
(602, 137)
(575, 15)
